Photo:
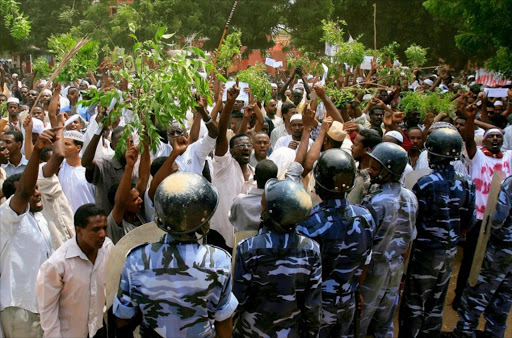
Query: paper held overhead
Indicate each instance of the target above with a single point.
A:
(243, 96)
(496, 92)
(273, 63)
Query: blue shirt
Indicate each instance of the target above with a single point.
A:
(446, 202)
(180, 288)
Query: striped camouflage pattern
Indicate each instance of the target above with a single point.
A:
(492, 294)
(394, 211)
(345, 234)
(278, 281)
(446, 207)
(180, 288)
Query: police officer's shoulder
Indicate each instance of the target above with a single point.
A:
(359, 210)
(462, 177)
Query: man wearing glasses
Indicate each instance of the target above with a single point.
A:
(232, 174)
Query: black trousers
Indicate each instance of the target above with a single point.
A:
(468, 247)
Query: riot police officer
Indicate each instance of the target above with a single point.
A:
(179, 287)
(394, 211)
(278, 273)
(446, 200)
(345, 234)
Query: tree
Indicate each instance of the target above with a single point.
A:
(14, 20)
(404, 21)
(484, 31)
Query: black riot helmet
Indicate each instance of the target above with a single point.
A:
(335, 171)
(444, 143)
(392, 157)
(184, 203)
(286, 204)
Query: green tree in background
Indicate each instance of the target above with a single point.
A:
(484, 29)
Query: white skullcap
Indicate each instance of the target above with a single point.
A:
(37, 126)
(498, 103)
(14, 74)
(295, 117)
(47, 91)
(71, 120)
(13, 100)
(309, 77)
(396, 135)
(273, 85)
(74, 135)
(429, 82)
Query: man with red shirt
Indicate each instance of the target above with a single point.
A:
(483, 161)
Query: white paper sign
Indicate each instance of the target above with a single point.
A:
(243, 96)
(496, 92)
(330, 50)
(270, 62)
(324, 75)
(367, 63)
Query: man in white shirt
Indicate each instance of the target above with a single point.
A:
(288, 110)
(232, 174)
(292, 141)
(70, 285)
(72, 175)
(25, 244)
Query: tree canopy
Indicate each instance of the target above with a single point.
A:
(452, 30)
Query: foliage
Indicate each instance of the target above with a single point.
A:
(162, 86)
(502, 62)
(416, 55)
(15, 21)
(41, 67)
(84, 61)
(406, 22)
(351, 52)
(483, 31)
(388, 52)
(229, 49)
(308, 61)
(392, 76)
(258, 81)
(424, 103)
(345, 95)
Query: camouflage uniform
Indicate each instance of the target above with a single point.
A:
(492, 294)
(446, 201)
(180, 288)
(345, 234)
(394, 210)
(278, 283)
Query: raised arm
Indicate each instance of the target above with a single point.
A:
(53, 165)
(27, 183)
(316, 148)
(470, 112)
(179, 146)
(330, 108)
(144, 168)
(286, 85)
(90, 150)
(124, 188)
(222, 140)
(308, 119)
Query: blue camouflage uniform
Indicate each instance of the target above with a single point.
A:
(179, 288)
(345, 235)
(394, 210)
(446, 201)
(278, 281)
(492, 294)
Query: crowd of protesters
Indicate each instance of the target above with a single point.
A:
(307, 196)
